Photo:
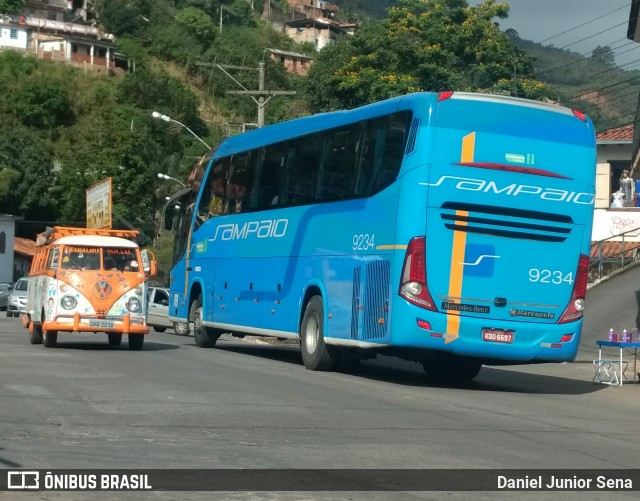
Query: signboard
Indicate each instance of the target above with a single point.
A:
(611, 223)
(99, 205)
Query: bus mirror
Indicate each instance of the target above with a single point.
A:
(168, 219)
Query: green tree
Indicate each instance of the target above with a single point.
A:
(44, 104)
(26, 168)
(10, 6)
(604, 55)
(197, 22)
(429, 45)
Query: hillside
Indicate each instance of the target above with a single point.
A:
(609, 94)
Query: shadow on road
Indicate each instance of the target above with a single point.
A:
(395, 371)
(104, 346)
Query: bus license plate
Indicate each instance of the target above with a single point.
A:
(106, 324)
(497, 336)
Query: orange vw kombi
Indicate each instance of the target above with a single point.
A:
(88, 280)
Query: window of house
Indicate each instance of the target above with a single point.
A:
(52, 16)
(13, 33)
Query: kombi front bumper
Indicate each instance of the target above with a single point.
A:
(78, 323)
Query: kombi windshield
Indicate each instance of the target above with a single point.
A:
(99, 258)
(120, 259)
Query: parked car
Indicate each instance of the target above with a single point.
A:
(5, 291)
(158, 313)
(18, 298)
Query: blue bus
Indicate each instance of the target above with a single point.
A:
(450, 229)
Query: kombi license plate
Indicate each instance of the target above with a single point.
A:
(106, 324)
(497, 336)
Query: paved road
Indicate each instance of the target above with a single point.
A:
(172, 405)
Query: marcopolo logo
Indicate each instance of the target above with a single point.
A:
(23, 480)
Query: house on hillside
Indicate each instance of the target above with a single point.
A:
(318, 31)
(44, 30)
(13, 35)
(23, 251)
(614, 152)
(633, 33)
(308, 21)
(293, 62)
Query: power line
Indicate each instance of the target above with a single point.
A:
(595, 34)
(584, 24)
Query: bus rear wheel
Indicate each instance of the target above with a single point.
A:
(204, 336)
(50, 338)
(451, 369)
(136, 341)
(316, 355)
(115, 338)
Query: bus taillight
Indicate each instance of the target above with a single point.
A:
(413, 284)
(575, 307)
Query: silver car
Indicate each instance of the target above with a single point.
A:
(158, 313)
(17, 301)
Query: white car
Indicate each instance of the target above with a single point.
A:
(158, 313)
(17, 301)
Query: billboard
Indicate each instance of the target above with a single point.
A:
(99, 204)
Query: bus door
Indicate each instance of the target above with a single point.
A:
(510, 199)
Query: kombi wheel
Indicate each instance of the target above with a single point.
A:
(115, 338)
(136, 341)
(316, 355)
(181, 328)
(35, 333)
(205, 337)
(50, 338)
(159, 329)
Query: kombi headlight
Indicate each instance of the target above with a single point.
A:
(68, 302)
(12, 298)
(133, 305)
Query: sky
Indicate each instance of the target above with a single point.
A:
(576, 25)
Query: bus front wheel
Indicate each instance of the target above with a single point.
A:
(204, 336)
(316, 355)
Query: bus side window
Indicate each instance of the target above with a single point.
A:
(238, 191)
(269, 178)
(336, 177)
(212, 199)
(382, 153)
(302, 170)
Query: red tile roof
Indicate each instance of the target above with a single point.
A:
(24, 246)
(614, 249)
(624, 133)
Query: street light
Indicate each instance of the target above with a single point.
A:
(164, 176)
(165, 118)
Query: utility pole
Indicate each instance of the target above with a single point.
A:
(261, 102)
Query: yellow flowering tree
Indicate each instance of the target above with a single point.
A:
(423, 45)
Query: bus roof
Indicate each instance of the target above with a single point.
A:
(301, 126)
(96, 241)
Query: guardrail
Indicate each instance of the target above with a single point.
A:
(613, 254)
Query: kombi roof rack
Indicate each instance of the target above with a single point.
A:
(51, 234)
